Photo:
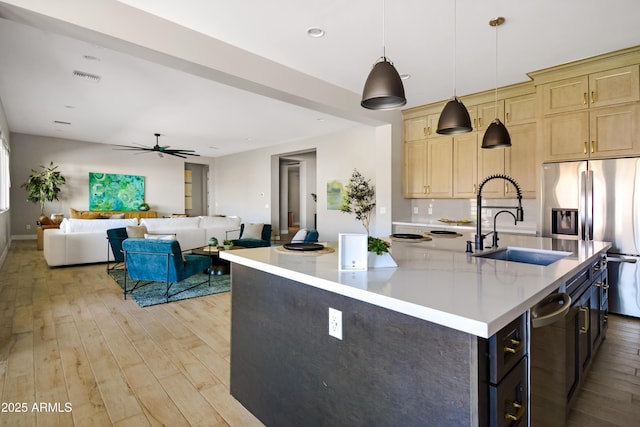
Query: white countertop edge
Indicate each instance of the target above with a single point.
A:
(442, 318)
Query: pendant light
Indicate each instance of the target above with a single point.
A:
(455, 116)
(496, 135)
(383, 89)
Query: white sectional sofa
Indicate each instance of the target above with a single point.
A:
(83, 241)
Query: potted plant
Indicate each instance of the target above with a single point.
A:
(226, 244)
(360, 200)
(44, 185)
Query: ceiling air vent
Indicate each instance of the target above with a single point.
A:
(87, 76)
(60, 122)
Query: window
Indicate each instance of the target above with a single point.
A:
(5, 182)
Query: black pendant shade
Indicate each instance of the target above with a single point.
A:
(454, 118)
(496, 136)
(383, 89)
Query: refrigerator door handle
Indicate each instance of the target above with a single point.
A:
(582, 206)
(616, 259)
(589, 200)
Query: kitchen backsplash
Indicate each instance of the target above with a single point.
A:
(431, 210)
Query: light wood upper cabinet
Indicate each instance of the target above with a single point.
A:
(614, 86)
(614, 131)
(520, 161)
(440, 167)
(421, 127)
(598, 133)
(487, 113)
(415, 169)
(465, 165)
(520, 109)
(609, 87)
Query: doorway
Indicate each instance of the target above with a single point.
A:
(297, 183)
(196, 189)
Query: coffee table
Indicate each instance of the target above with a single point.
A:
(218, 266)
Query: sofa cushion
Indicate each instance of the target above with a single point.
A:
(160, 236)
(155, 225)
(252, 231)
(136, 231)
(73, 213)
(75, 225)
(228, 222)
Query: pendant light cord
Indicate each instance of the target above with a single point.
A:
(384, 47)
(496, 76)
(455, 43)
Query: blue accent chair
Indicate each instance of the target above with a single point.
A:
(148, 260)
(265, 238)
(115, 237)
(312, 236)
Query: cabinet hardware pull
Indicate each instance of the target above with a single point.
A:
(584, 98)
(598, 284)
(475, 123)
(429, 130)
(585, 328)
(584, 151)
(593, 144)
(428, 189)
(424, 131)
(507, 117)
(474, 189)
(519, 412)
(506, 188)
(479, 122)
(605, 286)
(605, 318)
(593, 96)
(516, 346)
(424, 189)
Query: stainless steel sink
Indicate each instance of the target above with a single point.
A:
(525, 255)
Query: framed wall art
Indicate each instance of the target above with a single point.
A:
(115, 192)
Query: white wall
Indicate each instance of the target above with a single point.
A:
(164, 177)
(243, 181)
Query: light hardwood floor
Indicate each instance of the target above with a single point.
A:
(66, 336)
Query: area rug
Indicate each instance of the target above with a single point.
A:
(153, 293)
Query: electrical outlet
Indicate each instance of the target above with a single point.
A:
(415, 210)
(430, 211)
(28, 226)
(335, 323)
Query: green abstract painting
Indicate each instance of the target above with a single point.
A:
(114, 192)
(335, 193)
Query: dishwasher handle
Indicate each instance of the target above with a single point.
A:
(551, 309)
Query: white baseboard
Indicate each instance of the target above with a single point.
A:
(24, 237)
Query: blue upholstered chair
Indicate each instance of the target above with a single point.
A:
(265, 238)
(148, 260)
(115, 236)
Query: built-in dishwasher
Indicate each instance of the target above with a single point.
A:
(566, 330)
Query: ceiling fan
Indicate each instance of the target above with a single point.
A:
(160, 149)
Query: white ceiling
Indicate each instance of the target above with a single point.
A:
(136, 98)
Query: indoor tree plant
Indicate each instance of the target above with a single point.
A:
(360, 199)
(44, 185)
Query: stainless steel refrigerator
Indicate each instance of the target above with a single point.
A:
(599, 200)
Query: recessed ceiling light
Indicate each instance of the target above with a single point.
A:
(320, 119)
(405, 76)
(60, 122)
(91, 58)
(70, 107)
(315, 32)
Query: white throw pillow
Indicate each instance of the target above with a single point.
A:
(252, 231)
(299, 236)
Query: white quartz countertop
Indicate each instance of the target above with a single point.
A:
(436, 280)
(520, 228)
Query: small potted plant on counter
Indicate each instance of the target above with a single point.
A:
(360, 200)
(226, 244)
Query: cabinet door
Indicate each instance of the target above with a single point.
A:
(415, 163)
(566, 95)
(487, 113)
(584, 330)
(566, 136)
(415, 128)
(520, 110)
(614, 86)
(440, 167)
(520, 160)
(465, 165)
(491, 162)
(614, 131)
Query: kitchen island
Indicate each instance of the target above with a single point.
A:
(416, 339)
